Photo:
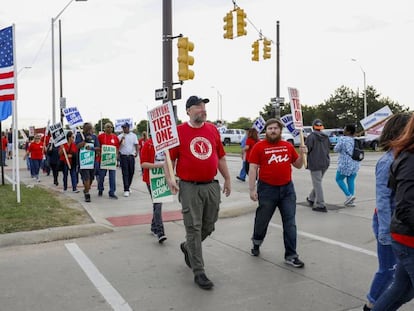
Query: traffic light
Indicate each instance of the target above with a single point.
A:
(266, 48)
(184, 59)
(255, 51)
(241, 23)
(228, 25)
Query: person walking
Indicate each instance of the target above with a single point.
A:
(107, 138)
(318, 162)
(401, 183)
(35, 152)
(199, 156)
(347, 167)
(72, 154)
(242, 174)
(87, 141)
(252, 139)
(4, 143)
(149, 160)
(128, 151)
(385, 206)
(52, 160)
(141, 142)
(272, 158)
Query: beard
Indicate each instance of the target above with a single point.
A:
(273, 138)
(199, 118)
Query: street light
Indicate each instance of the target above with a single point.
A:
(219, 104)
(53, 59)
(365, 86)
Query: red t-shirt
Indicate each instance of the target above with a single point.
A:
(36, 150)
(147, 155)
(108, 139)
(141, 143)
(198, 153)
(4, 142)
(249, 142)
(275, 161)
(70, 149)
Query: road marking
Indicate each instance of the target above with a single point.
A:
(110, 294)
(333, 242)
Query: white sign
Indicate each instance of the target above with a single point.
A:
(120, 122)
(376, 117)
(287, 120)
(259, 124)
(296, 108)
(58, 135)
(73, 116)
(163, 127)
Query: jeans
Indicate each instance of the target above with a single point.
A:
(127, 163)
(402, 289)
(386, 267)
(270, 197)
(349, 187)
(73, 177)
(4, 156)
(35, 167)
(316, 195)
(157, 225)
(242, 173)
(112, 182)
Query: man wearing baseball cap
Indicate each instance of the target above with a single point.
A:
(199, 156)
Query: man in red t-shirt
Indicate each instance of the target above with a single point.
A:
(273, 158)
(107, 138)
(4, 143)
(199, 156)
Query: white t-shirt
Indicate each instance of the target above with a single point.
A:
(128, 147)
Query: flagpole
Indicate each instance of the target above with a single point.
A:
(16, 168)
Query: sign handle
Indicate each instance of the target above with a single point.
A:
(305, 155)
(169, 164)
(66, 157)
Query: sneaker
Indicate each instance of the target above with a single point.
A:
(99, 193)
(126, 194)
(75, 191)
(310, 202)
(320, 209)
(154, 234)
(255, 251)
(202, 281)
(241, 179)
(113, 196)
(185, 252)
(295, 262)
(161, 238)
(349, 205)
(366, 308)
(349, 200)
(87, 197)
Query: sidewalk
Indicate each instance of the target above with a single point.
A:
(109, 214)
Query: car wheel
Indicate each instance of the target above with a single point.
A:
(374, 145)
(226, 142)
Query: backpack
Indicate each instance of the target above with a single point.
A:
(358, 152)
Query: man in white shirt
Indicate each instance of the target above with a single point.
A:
(128, 151)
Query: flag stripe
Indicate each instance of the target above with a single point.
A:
(5, 87)
(7, 81)
(6, 97)
(6, 75)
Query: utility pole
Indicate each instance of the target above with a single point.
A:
(277, 101)
(167, 51)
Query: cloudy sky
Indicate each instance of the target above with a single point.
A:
(112, 54)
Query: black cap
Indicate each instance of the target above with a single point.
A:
(317, 124)
(126, 124)
(195, 100)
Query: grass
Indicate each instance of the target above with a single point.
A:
(233, 149)
(39, 209)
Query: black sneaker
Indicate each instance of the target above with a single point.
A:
(366, 308)
(99, 193)
(310, 202)
(202, 281)
(255, 251)
(113, 196)
(87, 197)
(320, 209)
(239, 178)
(295, 262)
(186, 257)
(161, 238)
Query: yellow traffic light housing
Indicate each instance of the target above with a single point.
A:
(255, 51)
(266, 49)
(184, 59)
(241, 23)
(228, 26)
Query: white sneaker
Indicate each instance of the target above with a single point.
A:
(349, 200)
(126, 194)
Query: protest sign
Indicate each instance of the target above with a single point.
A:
(259, 124)
(296, 108)
(376, 118)
(73, 116)
(87, 157)
(108, 157)
(163, 127)
(120, 122)
(159, 188)
(287, 120)
(58, 135)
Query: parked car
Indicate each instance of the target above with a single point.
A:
(333, 135)
(286, 136)
(232, 136)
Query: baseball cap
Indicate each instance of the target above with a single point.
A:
(317, 124)
(195, 100)
(126, 124)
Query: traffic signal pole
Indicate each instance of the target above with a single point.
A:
(167, 51)
(277, 107)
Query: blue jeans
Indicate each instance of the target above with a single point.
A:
(157, 225)
(112, 182)
(242, 173)
(402, 289)
(270, 197)
(35, 167)
(4, 156)
(349, 187)
(386, 267)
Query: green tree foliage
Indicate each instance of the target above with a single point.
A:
(241, 123)
(142, 126)
(99, 126)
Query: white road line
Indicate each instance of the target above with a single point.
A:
(110, 294)
(329, 241)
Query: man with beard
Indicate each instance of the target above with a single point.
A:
(273, 158)
(199, 156)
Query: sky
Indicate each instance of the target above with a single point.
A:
(112, 54)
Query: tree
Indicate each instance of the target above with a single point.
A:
(241, 123)
(142, 126)
(101, 123)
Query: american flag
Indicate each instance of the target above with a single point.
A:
(6, 64)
